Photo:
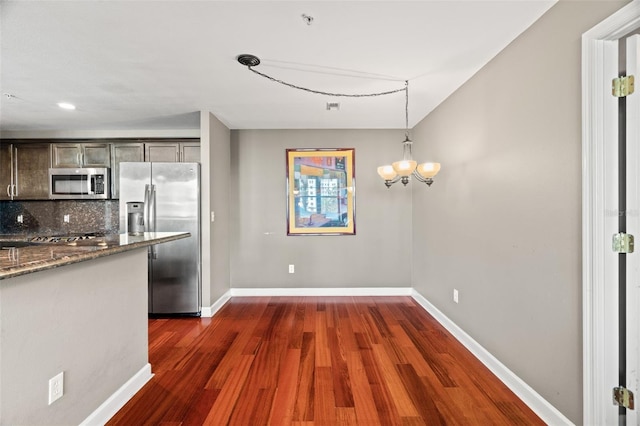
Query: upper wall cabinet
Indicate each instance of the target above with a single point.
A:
(24, 171)
(80, 155)
(123, 152)
(172, 152)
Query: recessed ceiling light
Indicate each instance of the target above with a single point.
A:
(66, 105)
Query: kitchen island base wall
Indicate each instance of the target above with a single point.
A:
(88, 320)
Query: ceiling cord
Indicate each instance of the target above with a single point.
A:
(319, 92)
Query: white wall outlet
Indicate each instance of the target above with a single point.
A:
(455, 295)
(292, 269)
(65, 218)
(20, 218)
(56, 387)
(213, 216)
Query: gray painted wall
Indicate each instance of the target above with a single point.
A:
(377, 256)
(206, 143)
(502, 222)
(220, 153)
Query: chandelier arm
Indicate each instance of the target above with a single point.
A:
(389, 182)
(419, 177)
(319, 92)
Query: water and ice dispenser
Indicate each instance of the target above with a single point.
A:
(135, 218)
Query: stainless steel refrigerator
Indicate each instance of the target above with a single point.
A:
(171, 196)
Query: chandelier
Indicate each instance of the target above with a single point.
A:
(401, 171)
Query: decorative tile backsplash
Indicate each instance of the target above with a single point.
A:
(47, 217)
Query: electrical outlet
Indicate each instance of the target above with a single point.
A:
(455, 295)
(56, 387)
(20, 218)
(65, 218)
(292, 269)
(213, 216)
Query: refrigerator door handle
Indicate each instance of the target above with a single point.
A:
(152, 217)
(145, 214)
(152, 208)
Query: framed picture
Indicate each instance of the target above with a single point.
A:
(321, 191)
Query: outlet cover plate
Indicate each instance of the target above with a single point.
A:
(56, 387)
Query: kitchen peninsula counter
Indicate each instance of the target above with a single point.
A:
(77, 308)
(39, 257)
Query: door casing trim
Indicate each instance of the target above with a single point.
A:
(600, 212)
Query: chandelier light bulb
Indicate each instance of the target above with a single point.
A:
(404, 167)
(386, 172)
(428, 170)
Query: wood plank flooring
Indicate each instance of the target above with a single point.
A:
(317, 361)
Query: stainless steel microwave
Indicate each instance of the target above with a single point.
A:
(79, 184)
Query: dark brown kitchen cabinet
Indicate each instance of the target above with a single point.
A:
(24, 171)
(81, 155)
(123, 152)
(172, 152)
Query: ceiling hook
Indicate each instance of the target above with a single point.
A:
(306, 18)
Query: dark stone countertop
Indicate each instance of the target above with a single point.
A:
(39, 257)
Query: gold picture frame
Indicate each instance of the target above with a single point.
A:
(321, 191)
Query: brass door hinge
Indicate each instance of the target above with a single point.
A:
(622, 243)
(622, 86)
(623, 397)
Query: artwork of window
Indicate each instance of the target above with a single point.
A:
(320, 192)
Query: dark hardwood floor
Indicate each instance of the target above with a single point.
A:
(317, 361)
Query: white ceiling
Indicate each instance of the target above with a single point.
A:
(155, 64)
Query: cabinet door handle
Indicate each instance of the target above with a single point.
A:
(9, 190)
(14, 165)
(15, 182)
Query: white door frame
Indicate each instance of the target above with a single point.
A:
(633, 225)
(600, 213)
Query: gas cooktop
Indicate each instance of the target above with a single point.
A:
(49, 239)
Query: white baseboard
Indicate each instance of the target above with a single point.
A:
(209, 311)
(342, 291)
(547, 412)
(116, 401)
